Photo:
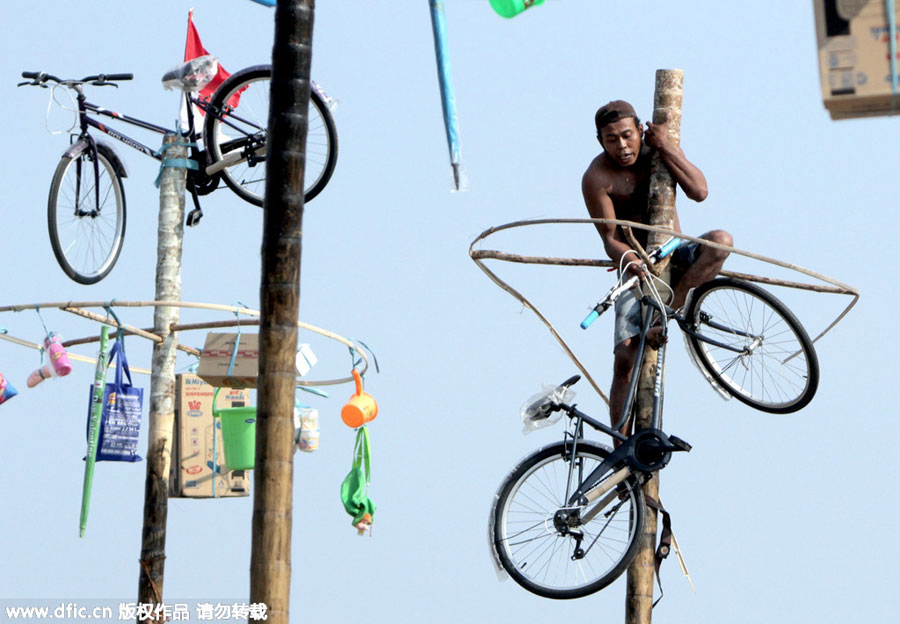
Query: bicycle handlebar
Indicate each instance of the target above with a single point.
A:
(608, 300)
(39, 78)
(668, 247)
(589, 320)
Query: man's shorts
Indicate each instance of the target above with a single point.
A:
(628, 307)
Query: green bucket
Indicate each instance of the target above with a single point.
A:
(238, 434)
(511, 8)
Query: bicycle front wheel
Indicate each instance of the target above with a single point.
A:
(564, 560)
(236, 125)
(86, 216)
(771, 364)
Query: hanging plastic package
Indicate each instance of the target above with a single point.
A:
(306, 428)
(6, 390)
(120, 422)
(355, 488)
(58, 366)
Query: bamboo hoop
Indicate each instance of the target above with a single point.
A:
(77, 308)
(477, 255)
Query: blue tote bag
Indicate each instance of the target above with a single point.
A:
(120, 423)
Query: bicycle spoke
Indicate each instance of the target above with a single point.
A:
(86, 235)
(542, 554)
(769, 368)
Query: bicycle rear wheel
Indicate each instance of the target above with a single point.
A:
(775, 368)
(538, 553)
(86, 236)
(233, 127)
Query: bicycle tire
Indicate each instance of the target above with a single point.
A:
(250, 118)
(535, 554)
(780, 374)
(86, 238)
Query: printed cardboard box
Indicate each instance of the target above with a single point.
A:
(216, 358)
(195, 451)
(854, 56)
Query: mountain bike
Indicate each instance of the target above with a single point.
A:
(567, 520)
(86, 212)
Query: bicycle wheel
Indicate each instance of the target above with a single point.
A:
(86, 236)
(774, 366)
(537, 552)
(241, 127)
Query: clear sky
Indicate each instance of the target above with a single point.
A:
(782, 519)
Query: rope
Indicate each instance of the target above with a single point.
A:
(46, 333)
(892, 45)
(174, 163)
(145, 564)
(38, 310)
(237, 342)
(477, 257)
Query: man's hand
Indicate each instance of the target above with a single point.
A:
(636, 268)
(657, 135)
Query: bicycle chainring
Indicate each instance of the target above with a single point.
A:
(645, 454)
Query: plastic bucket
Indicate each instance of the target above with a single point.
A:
(238, 435)
(511, 8)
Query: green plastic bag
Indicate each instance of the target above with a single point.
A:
(355, 488)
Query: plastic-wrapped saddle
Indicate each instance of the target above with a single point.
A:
(537, 411)
(193, 75)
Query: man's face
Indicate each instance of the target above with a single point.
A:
(622, 141)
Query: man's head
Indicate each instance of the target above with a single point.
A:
(619, 132)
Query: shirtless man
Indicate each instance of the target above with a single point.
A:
(616, 186)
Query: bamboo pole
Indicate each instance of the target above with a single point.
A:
(270, 559)
(492, 254)
(162, 378)
(666, 102)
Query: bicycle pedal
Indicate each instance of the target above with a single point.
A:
(680, 444)
(193, 217)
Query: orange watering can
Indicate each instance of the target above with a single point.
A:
(361, 408)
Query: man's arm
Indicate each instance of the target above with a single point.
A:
(686, 174)
(600, 206)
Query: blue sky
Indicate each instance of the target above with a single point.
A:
(782, 519)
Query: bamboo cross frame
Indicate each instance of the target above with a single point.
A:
(78, 308)
(478, 255)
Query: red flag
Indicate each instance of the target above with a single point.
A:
(194, 48)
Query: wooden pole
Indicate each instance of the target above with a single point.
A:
(270, 559)
(162, 378)
(666, 100)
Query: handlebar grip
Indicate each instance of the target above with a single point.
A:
(119, 76)
(669, 247)
(30, 75)
(593, 316)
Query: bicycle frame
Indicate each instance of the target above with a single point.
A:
(200, 182)
(588, 488)
(85, 107)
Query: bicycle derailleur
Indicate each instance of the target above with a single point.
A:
(567, 522)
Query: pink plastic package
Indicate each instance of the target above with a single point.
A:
(58, 366)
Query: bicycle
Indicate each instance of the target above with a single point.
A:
(567, 520)
(86, 212)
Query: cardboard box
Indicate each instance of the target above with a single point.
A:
(216, 360)
(854, 57)
(195, 451)
(306, 359)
